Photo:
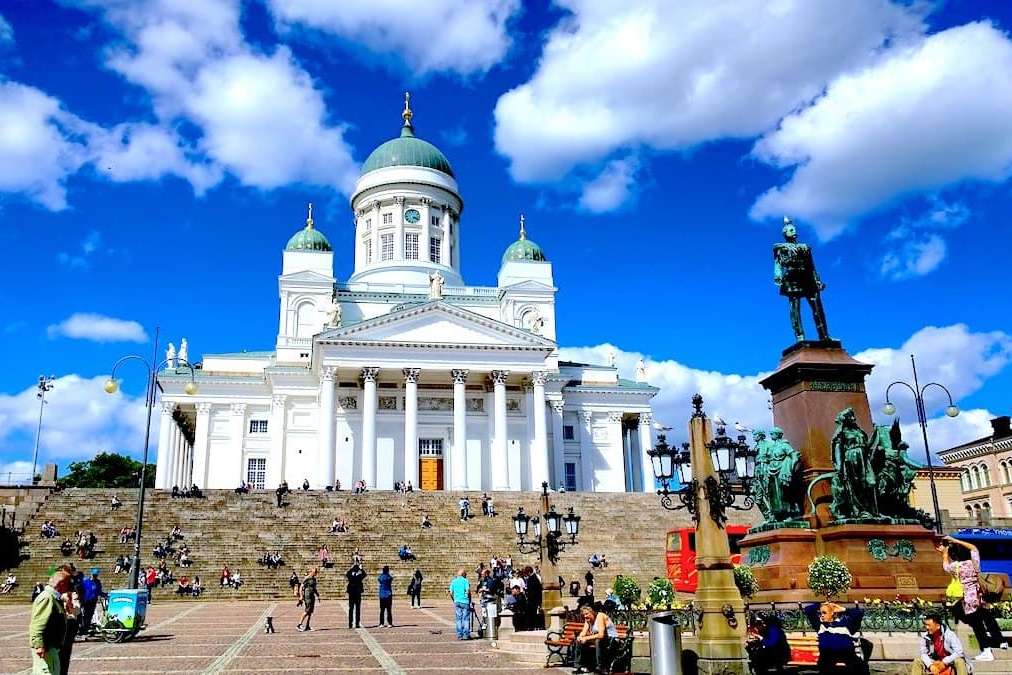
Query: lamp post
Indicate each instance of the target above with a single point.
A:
(951, 411)
(45, 385)
(713, 471)
(111, 387)
(553, 532)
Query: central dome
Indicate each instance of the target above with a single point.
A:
(407, 150)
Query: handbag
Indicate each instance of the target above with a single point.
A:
(992, 586)
(954, 590)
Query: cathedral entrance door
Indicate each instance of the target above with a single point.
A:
(430, 463)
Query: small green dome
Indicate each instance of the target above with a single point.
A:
(524, 249)
(308, 238)
(407, 150)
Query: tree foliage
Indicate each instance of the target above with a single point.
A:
(106, 470)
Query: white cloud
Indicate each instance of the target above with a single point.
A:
(612, 188)
(915, 257)
(16, 472)
(98, 328)
(947, 432)
(461, 36)
(80, 420)
(82, 257)
(667, 75)
(921, 117)
(6, 32)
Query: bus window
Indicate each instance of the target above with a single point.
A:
(674, 542)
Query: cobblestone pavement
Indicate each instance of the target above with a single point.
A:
(228, 637)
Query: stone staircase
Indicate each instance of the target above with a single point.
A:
(226, 528)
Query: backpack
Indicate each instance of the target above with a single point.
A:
(993, 586)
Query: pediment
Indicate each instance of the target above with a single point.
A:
(307, 276)
(529, 285)
(437, 323)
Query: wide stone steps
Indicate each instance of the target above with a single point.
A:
(231, 529)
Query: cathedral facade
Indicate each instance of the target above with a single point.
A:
(403, 372)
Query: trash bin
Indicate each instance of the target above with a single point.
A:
(492, 620)
(665, 644)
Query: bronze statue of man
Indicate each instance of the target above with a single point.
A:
(794, 273)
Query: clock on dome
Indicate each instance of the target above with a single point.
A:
(412, 216)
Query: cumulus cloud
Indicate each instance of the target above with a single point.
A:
(914, 257)
(12, 473)
(6, 32)
(80, 420)
(461, 36)
(922, 116)
(612, 188)
(671, 75)
(98, 328)
(946, 432)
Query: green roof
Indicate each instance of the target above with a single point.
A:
(524, 249)
(308, 238)
(407, 150)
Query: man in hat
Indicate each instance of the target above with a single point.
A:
(48, 625)
(92, 591)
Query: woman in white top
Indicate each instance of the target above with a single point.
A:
(594, 640)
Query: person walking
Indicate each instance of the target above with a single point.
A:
(48, 625)
(356, 578)
(460, 593)
(386, 597)
(72, 607)
(415, 589)
(92, 588)
(310, 594)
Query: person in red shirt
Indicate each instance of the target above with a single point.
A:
(150, 579)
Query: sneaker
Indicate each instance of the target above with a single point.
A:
(985, 655)
(300, 628)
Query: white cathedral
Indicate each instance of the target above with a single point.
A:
(403, 372)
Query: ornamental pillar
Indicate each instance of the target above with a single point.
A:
(238, 424)
(587, 449)
(444, 241)
(326, 453)
(614, 456)
(539, 448)
(558, 444)
(276, 425)
(411, 425)
(500, 462)
(369, 376)
(162, 467)
(374, 238)
(458, 460)
(201, 435)
(646, 443)
(178, 447)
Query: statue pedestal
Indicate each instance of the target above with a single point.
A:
(886, 560)
(814, 382)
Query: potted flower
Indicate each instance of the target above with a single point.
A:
(627, 590)
(829, 577)
(744, 579)
(660, 594)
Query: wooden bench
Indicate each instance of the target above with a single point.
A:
(561, 647)
(805, 653)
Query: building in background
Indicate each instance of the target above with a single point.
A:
(986, 473)
(403, 372)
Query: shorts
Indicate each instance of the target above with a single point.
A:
(310, 606)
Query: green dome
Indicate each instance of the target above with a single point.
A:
(524, 249)
(308, 238)
(407, 150)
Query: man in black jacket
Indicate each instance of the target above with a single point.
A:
(356, 576)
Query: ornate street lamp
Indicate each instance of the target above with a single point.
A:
(951, 411)
(550, 540)
(111, 387)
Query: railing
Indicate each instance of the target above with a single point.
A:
(13, 479)
(477, 291)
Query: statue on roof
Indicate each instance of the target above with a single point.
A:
(794, 273)
(170, 356)
(332, 314)
(436, 282)
(184, 351)
(641, 370)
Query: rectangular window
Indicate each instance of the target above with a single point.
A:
(256, 472)
(568, 433)
(430, 447)
(435, 220)
(571, 476)
(368, 251)
(411, 246)
(386, 247)
(368, 223)
(388, 218)
(258, 426)
(434, 243)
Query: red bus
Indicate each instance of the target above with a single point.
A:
(680, 554)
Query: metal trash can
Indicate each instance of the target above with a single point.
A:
(665, 644)
(492, 620)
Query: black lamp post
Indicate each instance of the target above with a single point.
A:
(111, 387)
(45, 385)
(951, 411)
(552, 531)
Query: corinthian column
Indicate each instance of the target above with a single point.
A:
(163, 468)
(236, 434)
(326, 452)
(587, 449)
(411, 425)
(201, 436)
(458, 460)
(276, 463)
(539, 449)
(500, 462)
(369, 425)
(646, 442)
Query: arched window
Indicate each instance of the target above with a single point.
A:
(969, 511)
(974, 478)
(985, 476)
(305, 319)
(965, 480)
(1007, 471)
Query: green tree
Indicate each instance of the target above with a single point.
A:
(107, 469)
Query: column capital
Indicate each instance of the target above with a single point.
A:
(586, 416)
(278, 401)
(399, 199)
(328, 373)
(538, 378)
(646, 418)
(499, 376)
(238, 409)
(459, 375)
(426, 200)
(203, 408)
(557, 406)
(411, 374)
(370, 373)
(615, 416)
(168, 407)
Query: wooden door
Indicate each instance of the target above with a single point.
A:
(430, 463)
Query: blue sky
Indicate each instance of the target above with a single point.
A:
(155, 156)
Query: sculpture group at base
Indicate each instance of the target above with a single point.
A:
(777, 487)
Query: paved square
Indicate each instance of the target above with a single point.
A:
(228, 637)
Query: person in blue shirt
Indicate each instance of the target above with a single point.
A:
(767, 644)
(460, 592)
(386, 597)
(837, 628)
(91, 591)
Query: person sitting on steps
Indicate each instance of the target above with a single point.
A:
(941, 652)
